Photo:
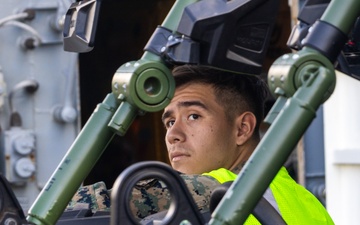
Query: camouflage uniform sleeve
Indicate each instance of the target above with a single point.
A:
(95, 196)
(148, 197)
(201, 188)
(152, 196)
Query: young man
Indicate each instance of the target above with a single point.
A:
(212, 128)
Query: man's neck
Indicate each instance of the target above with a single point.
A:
(245, 154)
(238, 168)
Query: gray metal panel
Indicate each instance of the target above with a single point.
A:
(56, 73)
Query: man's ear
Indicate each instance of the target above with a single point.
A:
(245, 123)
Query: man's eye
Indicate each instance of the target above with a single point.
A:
(194, 117)
(169, 123)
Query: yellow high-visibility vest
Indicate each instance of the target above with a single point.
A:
(296, 204)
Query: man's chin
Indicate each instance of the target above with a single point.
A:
(185, 170)
(180, 169)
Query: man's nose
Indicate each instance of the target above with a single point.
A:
(176, 133)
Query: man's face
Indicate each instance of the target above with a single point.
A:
(199, 137)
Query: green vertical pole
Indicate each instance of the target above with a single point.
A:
(75, 165)
(274, 149)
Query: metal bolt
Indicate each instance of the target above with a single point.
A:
(121, 97)
(124, 86)
(116, 85)
(302, 42)
(295, 56)
(282, 78)
(286, 56)
(30, 43)
(272, 78)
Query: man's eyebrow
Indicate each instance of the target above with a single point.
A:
(183, 104)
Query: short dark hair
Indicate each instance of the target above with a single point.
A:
(236, 92)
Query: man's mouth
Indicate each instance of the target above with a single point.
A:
(175, 157)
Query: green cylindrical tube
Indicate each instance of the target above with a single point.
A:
(273, 150)
(350, 9)
(75, 166)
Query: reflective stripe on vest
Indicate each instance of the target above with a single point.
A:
(222, 175)
(296, 204)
